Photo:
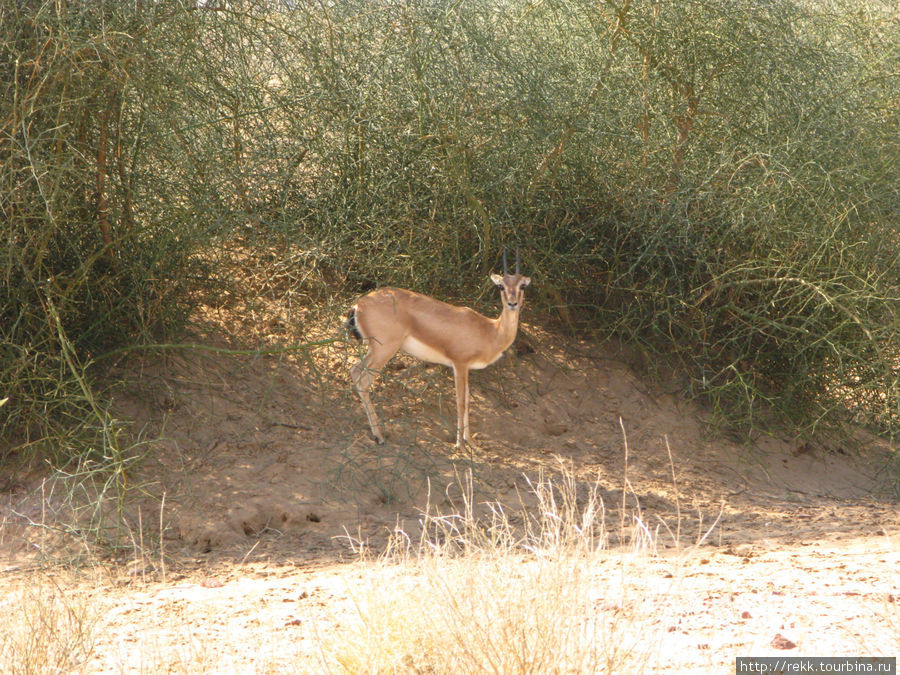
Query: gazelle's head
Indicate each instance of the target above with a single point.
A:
(512, 286)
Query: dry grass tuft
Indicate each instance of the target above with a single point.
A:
(46, 630)
(509, 592)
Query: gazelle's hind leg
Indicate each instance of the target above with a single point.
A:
(363, 375)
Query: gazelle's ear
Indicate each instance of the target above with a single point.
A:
(498, 280)
(525, 281)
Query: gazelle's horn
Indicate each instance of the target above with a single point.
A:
(517, 259)
(504, 261)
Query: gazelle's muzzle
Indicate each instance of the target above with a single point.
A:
(512, 300)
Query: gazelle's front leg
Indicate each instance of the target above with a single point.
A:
(467, 398)
(461, 379)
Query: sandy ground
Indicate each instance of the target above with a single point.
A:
(264, 473)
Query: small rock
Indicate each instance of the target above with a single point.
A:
(781, 642)
(555, 428)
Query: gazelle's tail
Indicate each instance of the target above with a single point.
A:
(350, 324)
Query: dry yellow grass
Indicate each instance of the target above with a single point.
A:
(485, 595)
(480, 605)
(46, 629)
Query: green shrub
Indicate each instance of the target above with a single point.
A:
(96, 250)
(716, 181)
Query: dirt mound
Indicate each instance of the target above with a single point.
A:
(273, 453)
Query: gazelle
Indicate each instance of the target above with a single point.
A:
(394, 319)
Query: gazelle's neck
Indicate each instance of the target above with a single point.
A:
(507, 326)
